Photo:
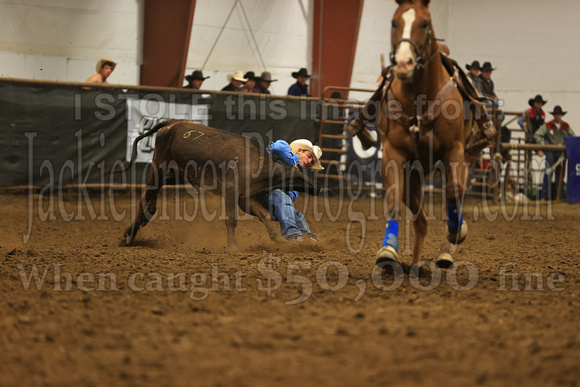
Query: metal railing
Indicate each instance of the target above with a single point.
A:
(328, 133)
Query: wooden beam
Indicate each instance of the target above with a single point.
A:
(166, 33)
(335, 34)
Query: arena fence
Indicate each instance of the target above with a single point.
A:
(345, 158)
(522, 161)
(67, 134)
(64, 133)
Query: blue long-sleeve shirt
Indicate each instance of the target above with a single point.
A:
(280, 150)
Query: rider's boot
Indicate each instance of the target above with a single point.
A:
(482, 137)
(367, 113)
(356, 128)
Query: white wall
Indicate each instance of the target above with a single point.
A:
(281, 29)
(63, 39)
(533, 43)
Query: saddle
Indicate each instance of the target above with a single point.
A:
(464, 84)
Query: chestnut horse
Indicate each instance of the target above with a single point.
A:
(422, 121)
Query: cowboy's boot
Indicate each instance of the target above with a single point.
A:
(488, 130)
(356, 128)
(480, 138)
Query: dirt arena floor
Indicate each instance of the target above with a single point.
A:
(177, 308)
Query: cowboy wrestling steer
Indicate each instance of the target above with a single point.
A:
(227, 164)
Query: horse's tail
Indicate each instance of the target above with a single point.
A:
(148, 133)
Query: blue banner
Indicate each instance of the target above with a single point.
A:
(573, 185)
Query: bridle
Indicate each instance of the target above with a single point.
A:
(420, 61)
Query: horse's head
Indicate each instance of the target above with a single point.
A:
(411, 37)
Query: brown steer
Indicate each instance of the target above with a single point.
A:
(227, 164)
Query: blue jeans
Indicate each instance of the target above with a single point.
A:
(281, 208)
(547, 182)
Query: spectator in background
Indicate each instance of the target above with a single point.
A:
(263, 83)
(250, 82)
(533, 118)
(553, 133)
(236, 80)
(486, 87)
(300, 88)
(194, 80)
(474, 70)
(105, 67)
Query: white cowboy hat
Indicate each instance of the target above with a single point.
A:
(238, 76)
(307, 145)
(102, 61)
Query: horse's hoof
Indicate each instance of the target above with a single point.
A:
(129, 236)
(460, 237)
(444, 261)
(387, 254)
(128, 239)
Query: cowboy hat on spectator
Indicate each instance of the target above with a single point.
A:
(250, 75)
(301, 73)
(238, 76)
(537, 98)
(266, 77)
(196, 74)
(487, 67)
(474, 65)
(558, 110)
(102, 62)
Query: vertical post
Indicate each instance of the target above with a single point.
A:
(335, 34)
(561, 178)
(496, 153)
(166, 34)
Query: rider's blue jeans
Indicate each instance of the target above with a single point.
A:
(281, 208)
